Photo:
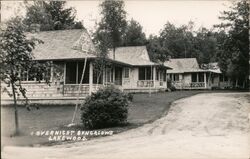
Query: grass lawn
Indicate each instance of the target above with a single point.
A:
(143, 109)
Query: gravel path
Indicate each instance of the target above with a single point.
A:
(202, 126)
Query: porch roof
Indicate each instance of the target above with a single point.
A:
(133, 55)
(189, 65)
(63, 44)
(182, 65)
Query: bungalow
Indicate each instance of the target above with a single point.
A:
(142, 75)
(186, 74)
(129, 69)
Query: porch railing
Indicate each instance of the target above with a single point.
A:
(72, 89)
(145, 83)
(197, 84)
(191, 85)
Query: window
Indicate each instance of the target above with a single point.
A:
(86, 73)
(157, 74)
(225, 78)
(142, 73)
(145, 73)
(71, 68)
(201, 77)
(35, 75)
(97, 77)
(176, 77)
(194, 77)
(164, 76)
(161, 76)
(74, 72)
(212, 77)
(221, 78)
(126, 72)
(108, 75)
(171, 77)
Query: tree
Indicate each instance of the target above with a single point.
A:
(113, 22)
(178, 40)
(101, 62)
(157, 51)
(107, 35)
(184, 42)
(36, 14)
(16, 56)
(134, 35)
(234, 50)
(51, 15)
(204, 46)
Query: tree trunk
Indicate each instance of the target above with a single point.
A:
(97, 80)
(236, 84)
(17, 131)
(79, 89)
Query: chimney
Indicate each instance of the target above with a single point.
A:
(35, 28)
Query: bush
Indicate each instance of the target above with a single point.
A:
(171, 86)
(106, 108)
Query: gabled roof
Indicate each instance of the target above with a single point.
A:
(133, 55)
(182, 65)
(63, 44)
(77, 44)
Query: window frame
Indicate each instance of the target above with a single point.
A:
(126, 72)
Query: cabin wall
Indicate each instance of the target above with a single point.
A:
(56, 89)
(131, 84)
(187, 78)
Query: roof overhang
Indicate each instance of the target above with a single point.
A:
(194, 71)
(79, 59)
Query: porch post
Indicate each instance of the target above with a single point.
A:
(77, 63)
(166, 78)
(205, 79)
(113, 75)
(64, 73)
(90, 78)
(197, 75)
(51, 72)
(154, 75)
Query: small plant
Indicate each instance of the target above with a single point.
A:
(107, 107)
(171, 86)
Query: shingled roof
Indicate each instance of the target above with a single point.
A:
(133, 55)
(63, 44)
(182, 65)
(77, 44)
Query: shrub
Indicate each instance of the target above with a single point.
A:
(171, 86)
(106, 108)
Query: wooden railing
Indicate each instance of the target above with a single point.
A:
(197, 84)
(145, 83)
(191, 85)
(72, 89)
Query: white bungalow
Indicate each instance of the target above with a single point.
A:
(186, 74)
(130, 70)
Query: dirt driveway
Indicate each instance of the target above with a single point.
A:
(203, 126)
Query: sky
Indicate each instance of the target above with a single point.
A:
(151, 14)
